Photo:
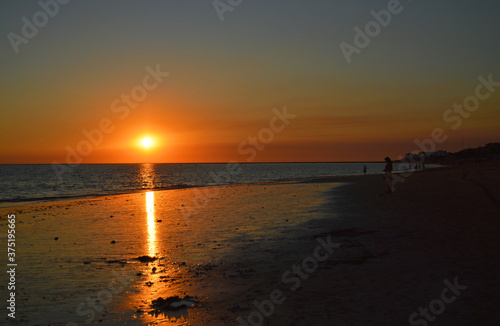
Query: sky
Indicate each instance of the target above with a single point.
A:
(255, 81)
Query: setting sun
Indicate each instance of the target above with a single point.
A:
(147, 142)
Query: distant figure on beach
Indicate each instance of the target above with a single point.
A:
(364, 169)
(388, 174)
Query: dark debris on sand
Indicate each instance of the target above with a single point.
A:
(146, 259)
(172, 303)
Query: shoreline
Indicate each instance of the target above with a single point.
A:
(30, 198)
(12, 204)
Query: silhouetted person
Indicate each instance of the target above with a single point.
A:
(364, 169)
(388, 175)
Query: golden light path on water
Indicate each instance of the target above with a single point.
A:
(154, 275)
(150, 215)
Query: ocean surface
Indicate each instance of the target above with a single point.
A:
(24, 183)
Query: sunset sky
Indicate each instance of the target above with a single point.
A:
(226, 77)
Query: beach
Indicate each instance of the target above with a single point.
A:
(330, 251)
(250, 163)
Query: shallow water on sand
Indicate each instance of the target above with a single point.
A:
(211, 243)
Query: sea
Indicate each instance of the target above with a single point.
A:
(23, 184)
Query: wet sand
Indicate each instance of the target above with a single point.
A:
(249, 246)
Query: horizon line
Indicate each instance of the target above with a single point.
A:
(267, 162)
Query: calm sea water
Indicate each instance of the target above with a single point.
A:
(27, 183)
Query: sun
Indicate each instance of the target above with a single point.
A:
(147, 142)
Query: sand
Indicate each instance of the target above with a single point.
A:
(397, 249)
(260, 254)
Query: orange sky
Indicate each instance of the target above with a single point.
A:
(225, 78)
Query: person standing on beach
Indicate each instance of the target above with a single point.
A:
(364, 169)
(388, 175)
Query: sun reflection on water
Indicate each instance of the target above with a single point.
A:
(161, 277)
(148, 175)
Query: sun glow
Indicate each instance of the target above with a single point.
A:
(147, 142)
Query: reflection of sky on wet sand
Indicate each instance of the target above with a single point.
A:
(157, 277)
(150, 214)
